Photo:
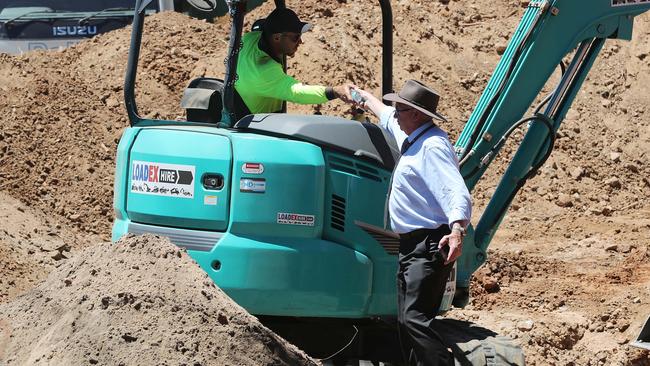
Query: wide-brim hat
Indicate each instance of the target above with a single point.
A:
(419, 96)
(284, 20)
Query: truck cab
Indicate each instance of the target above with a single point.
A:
(46, 25)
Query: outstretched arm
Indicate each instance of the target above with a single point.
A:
(371, 103)
(277, 84)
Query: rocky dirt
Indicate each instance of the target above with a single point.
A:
(569, 271)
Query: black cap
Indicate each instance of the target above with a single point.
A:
(258, 25)
(284, 20)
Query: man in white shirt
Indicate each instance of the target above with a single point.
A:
(429, 207)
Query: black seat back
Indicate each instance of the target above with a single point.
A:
(202, 100)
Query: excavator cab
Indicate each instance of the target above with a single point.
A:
(199, 99)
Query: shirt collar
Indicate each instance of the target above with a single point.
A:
(418, 131)
(265, 47)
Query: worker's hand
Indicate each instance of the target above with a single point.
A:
(343, 92)
(455, 243)
(370, 103)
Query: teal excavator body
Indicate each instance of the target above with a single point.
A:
(270, 206)
(269, 218)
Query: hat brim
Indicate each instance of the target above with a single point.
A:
(394, 97)
(301, 27)
(306, 27)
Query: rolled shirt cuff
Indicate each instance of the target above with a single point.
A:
(457, 215)
(329, 93)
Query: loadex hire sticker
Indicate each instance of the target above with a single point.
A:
(161, 179)
(295, 219)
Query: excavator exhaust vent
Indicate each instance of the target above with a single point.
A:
(338, 212)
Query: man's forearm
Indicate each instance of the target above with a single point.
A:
(374, 105)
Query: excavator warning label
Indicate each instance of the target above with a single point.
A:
(295, 219)
(162, 179)
(629, 2)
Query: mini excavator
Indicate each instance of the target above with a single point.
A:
(273, 206)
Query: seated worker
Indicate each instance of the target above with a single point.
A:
(262, 83)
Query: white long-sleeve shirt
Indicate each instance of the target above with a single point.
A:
(428, 190)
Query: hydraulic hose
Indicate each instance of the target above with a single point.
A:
(486, 112)
(515, 125)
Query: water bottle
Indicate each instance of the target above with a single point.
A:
(356, 96)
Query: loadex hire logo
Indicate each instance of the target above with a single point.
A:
(162, 179)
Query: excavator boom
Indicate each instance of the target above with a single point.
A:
(547, 33)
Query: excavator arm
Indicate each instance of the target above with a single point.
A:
(548, 32)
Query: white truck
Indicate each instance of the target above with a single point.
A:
(27, 25)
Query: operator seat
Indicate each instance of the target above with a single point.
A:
(203, 98)
(203, 101)
(363, 140)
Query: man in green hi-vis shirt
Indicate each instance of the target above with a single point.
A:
(262, 83)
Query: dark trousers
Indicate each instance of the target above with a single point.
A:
(421, 280)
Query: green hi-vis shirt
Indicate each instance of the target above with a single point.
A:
(262, 83)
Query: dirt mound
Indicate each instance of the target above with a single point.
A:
(580, 303)
(140, 301)
(63, 114)
(30, 246)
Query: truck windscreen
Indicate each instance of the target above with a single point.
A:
(69, 5)
(27, 25)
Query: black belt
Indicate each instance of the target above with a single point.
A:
(423, 233)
